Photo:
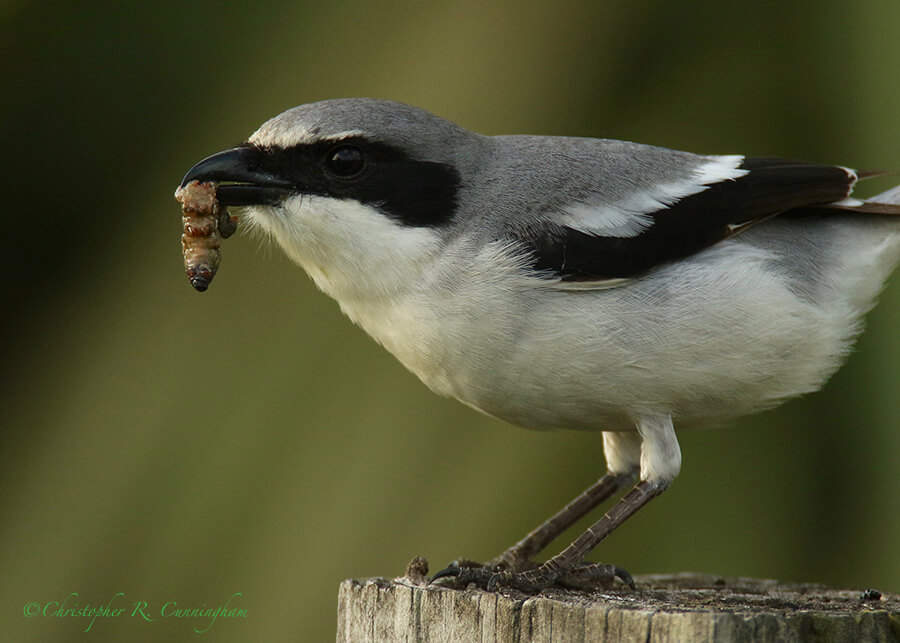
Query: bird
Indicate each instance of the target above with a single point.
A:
(570, 283)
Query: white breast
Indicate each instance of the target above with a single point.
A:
(728, 331)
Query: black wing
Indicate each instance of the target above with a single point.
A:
(770, 187)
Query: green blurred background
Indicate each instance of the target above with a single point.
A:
(181, 447)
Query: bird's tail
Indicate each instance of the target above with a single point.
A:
(891, 198)
(886, 203)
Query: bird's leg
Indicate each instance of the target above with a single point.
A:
(622, 452)
(565, 568)
(660, 461)
(519, 555)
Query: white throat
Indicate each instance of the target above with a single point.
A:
(352, 251)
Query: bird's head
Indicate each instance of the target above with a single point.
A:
(360, 192)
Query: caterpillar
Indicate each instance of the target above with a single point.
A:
(205, 222)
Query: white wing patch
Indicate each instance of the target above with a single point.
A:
(720, 168)
(630, 216)
(609, 221)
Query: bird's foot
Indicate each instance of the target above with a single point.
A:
(580, 576)
(458, 574)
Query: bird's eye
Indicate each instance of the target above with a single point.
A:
(346, 160)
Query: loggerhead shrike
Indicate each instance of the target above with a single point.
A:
(572, 283)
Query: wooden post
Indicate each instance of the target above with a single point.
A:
(681, 607)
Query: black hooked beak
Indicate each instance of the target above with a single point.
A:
(241, 179)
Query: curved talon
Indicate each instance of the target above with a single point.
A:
(624, 576)
(450, 570)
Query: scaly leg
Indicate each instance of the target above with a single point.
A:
(660, 461)
(523, 551)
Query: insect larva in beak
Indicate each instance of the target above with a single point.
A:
(205, 221)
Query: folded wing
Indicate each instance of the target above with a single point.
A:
(590, 242)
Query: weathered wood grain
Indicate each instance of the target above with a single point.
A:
(684, 607)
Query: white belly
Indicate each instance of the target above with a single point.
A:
(738, 328)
